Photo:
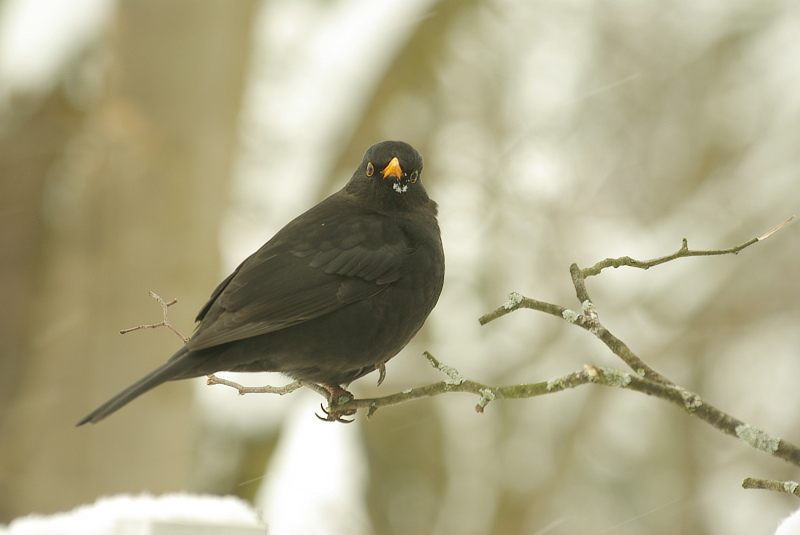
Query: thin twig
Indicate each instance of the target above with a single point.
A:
(684, 251)
(775, 229)
(517, 301)
(266, 389)
(164, 323)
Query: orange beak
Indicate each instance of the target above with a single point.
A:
(393, 168)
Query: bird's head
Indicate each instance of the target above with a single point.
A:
(390, 174)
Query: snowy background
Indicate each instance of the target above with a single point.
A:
(151, 145)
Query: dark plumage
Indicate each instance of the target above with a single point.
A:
(332, 296)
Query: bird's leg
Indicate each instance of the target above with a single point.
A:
(331, 413)
(337, 392)
(381, 367)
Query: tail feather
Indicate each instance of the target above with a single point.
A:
(172, 369)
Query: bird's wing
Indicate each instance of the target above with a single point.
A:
(306, 271)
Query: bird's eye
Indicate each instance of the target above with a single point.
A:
(370, 169)
(414, 176)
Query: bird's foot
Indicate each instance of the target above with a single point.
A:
(332, 414)
(381, 367)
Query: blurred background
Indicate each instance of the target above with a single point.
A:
(152, 145)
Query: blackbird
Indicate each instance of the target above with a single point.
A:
(332, 296)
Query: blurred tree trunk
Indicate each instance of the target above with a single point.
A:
(27, 151)
(133, 203)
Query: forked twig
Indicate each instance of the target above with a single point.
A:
(164, 323)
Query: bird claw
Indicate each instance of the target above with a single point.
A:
(332, 414)
(381, 367)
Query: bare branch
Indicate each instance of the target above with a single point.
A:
(684, 251)
(647, 380)
(681, 398)
(644, 379)
(517, 301)
(787, 487)
(588, 320)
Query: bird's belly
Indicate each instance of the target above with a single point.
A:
(347, 344)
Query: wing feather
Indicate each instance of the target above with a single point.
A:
(306, 271)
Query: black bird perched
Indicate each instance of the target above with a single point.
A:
(332, 296)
